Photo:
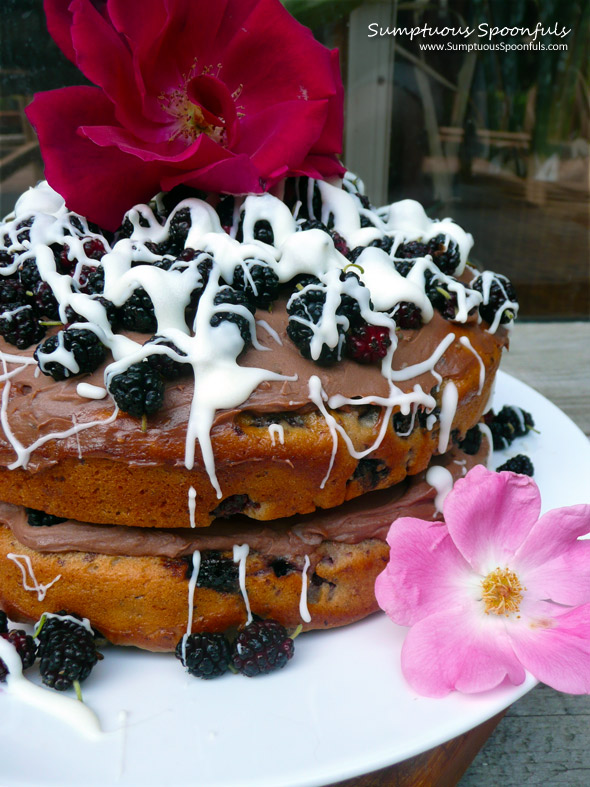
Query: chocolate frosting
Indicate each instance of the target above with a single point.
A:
(369, 516)
(38, 406)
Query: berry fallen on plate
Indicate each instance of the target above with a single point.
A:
(25, 645)
(139, 390)
(520, 421)
(3, 622)
(67, 652)
(518, 464)
(262, 647)
(368, 343)
(205, 655)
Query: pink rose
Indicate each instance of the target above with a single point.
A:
(228, 96)
(493, 592)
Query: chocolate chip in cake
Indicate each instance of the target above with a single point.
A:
(370, 472)
(282, 567)
(234, 504)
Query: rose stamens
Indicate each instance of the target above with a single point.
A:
(502, 592)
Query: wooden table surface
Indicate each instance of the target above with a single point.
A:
(544, 738)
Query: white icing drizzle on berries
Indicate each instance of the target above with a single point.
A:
(487, 279)
(85, 623)
(192, 584)
(240, 556)
(220, 382)
(71, 711)
(303, 609)
(26, 568)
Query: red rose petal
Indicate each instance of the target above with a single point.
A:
(59, 20)
(88, 177)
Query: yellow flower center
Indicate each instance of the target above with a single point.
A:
(191, 121)
(502, 592)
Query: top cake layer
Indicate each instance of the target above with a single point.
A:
(262, 310)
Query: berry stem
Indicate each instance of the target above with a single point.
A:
(39, 626)
(78, 690)
(353, 265)
(297, 631)
(144, 423)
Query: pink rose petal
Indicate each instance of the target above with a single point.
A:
(457, 649)
(557, 651)
(489, 515)
(425, 573)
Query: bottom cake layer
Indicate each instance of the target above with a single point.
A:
(135, 586)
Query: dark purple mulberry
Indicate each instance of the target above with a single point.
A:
(261, 647)
(204, 655)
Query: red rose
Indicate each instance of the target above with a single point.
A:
(228, 96)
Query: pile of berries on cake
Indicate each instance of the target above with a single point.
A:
(157, 237)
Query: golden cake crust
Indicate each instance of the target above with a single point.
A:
(142, 601)
(126, 476)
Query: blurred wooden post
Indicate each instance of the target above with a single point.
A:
(369, 97)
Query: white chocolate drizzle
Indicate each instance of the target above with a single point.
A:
(220, 382)
(85, 623)
(74, 713)
(482, 369)
(37, 587)
(240, 557)
(487, 432)
(87, 391)
(303, 609)
(276, 431)
(441, 480)
(192, 498)
(74, 421)
(450, 397)
(191, 600)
